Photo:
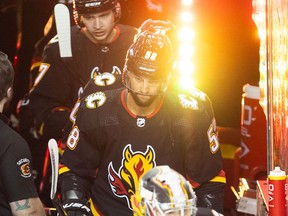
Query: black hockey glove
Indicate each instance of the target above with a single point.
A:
(75, 194)
(77, 208)
(211, 196)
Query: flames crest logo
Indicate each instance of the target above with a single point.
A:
(24, 165)
(134, 165)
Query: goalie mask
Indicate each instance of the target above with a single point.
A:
(150, 58)
(81, 7)
(163, 191)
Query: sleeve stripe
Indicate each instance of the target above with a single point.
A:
(218, 179)
(63, 170)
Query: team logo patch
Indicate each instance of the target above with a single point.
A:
(134, 165)
(198, 94)
(24, 165)
(104, 78)
(95, 100)
(141, 122)
(188, 102)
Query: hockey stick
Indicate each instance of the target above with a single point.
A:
(54, 156)
(62, 20)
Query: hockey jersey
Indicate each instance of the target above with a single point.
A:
(61, 80)
(122, 147)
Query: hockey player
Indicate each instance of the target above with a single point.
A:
(121, 134)
(98, 44)
(18, 194)
(163, 191)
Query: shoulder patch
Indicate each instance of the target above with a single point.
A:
(104, 78)
(24, 165)
(198, 94)
(188, 102)
(95, 100)
(192, 100)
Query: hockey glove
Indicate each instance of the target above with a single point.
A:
(75, 194)
(77, 208)
(211, 196)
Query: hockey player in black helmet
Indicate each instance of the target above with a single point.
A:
(99, 45)
(150, 57)
(124, 133)
(82, 7)
(86, 12)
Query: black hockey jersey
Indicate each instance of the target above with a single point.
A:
(108, 138)
(61, 80)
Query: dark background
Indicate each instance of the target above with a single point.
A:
(226, 45)
(226, 57)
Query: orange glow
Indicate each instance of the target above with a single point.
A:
(274, 79)
(186, 84)
(187, 2)
(186, 48)
(186, 34)
(186, 17)
(186, 68)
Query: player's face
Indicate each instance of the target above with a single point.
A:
(99, 25)
(145, 85)
(143, 100)
(144, 89)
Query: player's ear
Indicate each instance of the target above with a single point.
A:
(9, 92)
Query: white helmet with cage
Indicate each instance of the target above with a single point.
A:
(163, 191)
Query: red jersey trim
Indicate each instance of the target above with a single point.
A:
(116, 35)
(123, 94)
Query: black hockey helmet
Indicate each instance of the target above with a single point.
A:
(81, 7)
(164, 190)
(151, 55)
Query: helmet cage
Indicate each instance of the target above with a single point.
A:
(164, 191)
(180, 209)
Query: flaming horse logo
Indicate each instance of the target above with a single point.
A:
(134, 165)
